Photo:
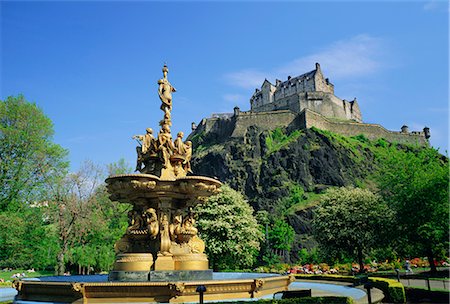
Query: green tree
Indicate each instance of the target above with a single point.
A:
(71, 210)
(281, 235)
(415, 183)
(87, 223)
(229, 229)
(30, 163)
(351, 221)
(28, 157)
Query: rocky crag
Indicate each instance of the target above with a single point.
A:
(271, 166)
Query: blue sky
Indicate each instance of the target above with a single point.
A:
(93, 66)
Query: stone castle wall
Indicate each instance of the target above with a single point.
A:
(264, 120)
(237, 125)
(308, 119)
(325, 103)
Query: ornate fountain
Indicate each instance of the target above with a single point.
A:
(160, 257)
(161, 241)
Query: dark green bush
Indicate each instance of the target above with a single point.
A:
(393, 290)
(328, 277)
(305, 300)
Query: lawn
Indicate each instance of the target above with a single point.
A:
(6, 275)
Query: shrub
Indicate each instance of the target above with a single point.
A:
(317, 300)
(327, 277)
(305, 300)
(393, 290)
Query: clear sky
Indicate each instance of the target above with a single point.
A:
(93, 66)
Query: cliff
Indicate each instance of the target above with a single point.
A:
(284, 172)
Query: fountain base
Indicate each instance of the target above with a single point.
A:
(181, 275)
(94, 289)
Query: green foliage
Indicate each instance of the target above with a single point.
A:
(303, 300)
(310, 199)
(393, 290)
(277, 139)
(198, 139)
(229, 229)
(26, 240)
(306, 256)
(77, 225)
(202, 150)
(415, 184)
(89, 223)
(281, 235)
(327, 277)
(30, 165)
(28, 157)
(119, 167)
(351, 221)
(362, 138)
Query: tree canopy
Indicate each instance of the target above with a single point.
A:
(415, 183)
(229, 229)
(351, 221)
(28, 157)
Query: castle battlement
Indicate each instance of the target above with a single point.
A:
(308, 91)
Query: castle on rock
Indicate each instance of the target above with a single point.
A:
(302, 102)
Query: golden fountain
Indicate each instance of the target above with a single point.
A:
(160, 258)
(161, 241)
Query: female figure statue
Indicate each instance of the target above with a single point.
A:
(165, 90)
(165, 235)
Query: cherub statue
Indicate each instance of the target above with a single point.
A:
(152, 222)
(165, 90)
(135, 221)
(188, 224)
(179, 145)
(175, 227)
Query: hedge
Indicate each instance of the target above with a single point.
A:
(328, 277)
(5, 284)
(392, 290)
(305, 300)
(415, 295)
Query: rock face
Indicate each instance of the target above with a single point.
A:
(312, 161)
(266, 175)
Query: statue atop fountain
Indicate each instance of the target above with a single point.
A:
(161, 237)
(162, 156)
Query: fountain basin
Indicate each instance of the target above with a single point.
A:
(144, 189)
(96, 289)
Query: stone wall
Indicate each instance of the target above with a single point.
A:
(217, 129)
(324, 103)
(322, 84)
(308, 119)
(264, 120)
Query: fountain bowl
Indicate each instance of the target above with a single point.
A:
(96, 289)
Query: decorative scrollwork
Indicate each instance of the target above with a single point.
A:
(257, 285)
(78, 287)
(177, 288)
(17, 284)
(291, 278)
(143, 185)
